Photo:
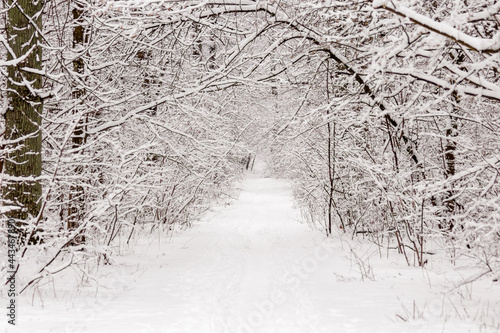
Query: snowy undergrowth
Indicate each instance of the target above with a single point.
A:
(252, 266)
(454, 294)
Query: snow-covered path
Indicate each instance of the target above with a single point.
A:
(234, 273)
(253, 267)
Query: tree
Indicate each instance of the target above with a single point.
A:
(76, 204)
(22, 189)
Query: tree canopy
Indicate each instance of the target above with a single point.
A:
(384, 114)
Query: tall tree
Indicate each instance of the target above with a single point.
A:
(23, 164)
(76, 197)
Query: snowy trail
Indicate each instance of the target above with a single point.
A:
(253, 267)
(222, 276)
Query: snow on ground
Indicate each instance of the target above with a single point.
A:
(253, 267)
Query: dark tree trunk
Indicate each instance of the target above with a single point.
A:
(23, 163)
(450, 148)
(76, 206)
(330, 155)
(450, 161)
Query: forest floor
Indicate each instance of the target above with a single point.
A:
(252, 266)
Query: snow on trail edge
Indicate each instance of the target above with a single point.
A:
(253, 267)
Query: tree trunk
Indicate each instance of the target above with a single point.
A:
(330, 154)
(76, 206)
(23, 164)
(450, 150)
(450, 159)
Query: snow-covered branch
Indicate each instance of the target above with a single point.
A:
(483, 45)
(491, 94)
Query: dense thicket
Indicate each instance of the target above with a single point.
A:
(384, 115)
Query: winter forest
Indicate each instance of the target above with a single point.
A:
(250, 166)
